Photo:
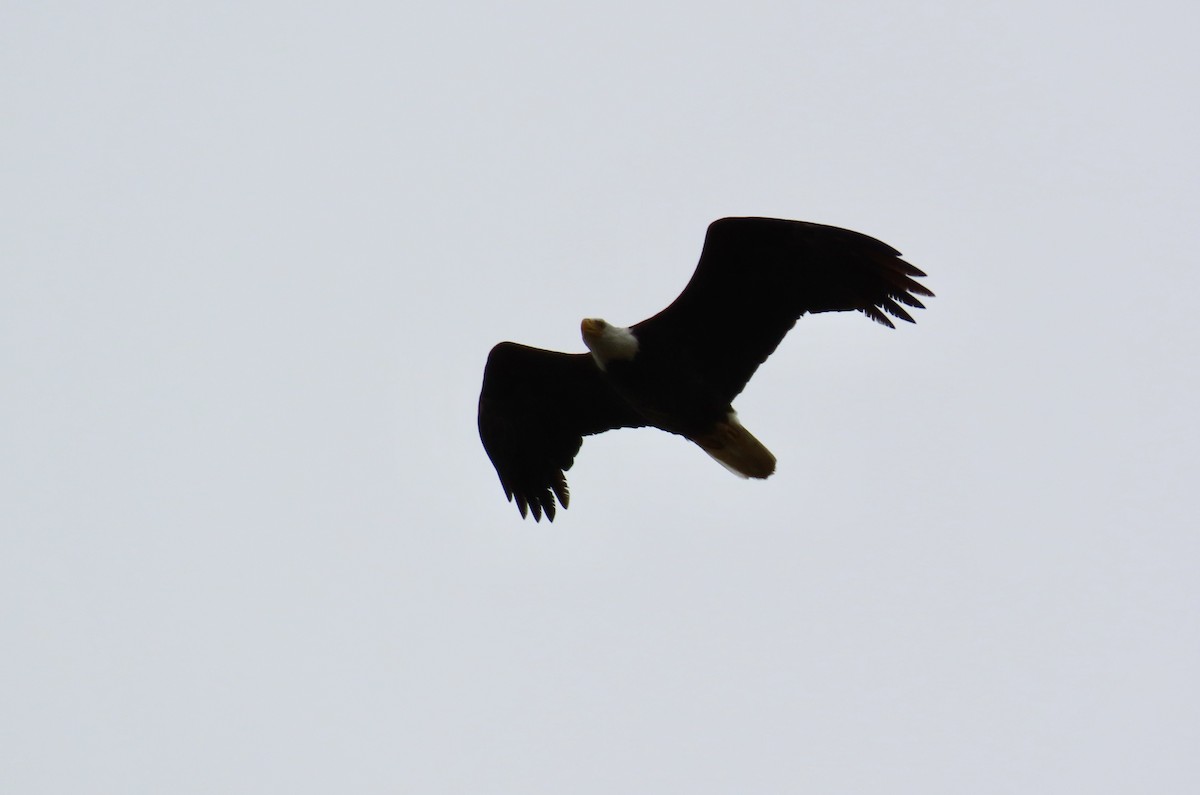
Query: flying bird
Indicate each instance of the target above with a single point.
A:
(681, 369)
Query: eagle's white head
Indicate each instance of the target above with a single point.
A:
(608, 342)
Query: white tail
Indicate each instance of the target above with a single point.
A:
(736, 449)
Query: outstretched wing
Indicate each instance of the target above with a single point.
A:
(757, 276)
(534, 410)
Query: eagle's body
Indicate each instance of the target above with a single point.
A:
(681, 369)
(670, 392)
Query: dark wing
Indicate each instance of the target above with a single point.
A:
(534, 410)
(757, 276)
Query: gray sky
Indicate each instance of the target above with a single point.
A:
(254, 255)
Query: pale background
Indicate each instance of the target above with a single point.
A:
(254, 255)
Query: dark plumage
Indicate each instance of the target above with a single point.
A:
(680, 369)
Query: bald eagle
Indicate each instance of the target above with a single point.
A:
(681, 369)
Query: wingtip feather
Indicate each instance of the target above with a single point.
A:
(873, 312)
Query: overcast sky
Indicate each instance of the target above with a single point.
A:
(254, 255)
